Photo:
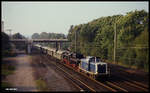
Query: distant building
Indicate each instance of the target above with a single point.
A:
(2, 25)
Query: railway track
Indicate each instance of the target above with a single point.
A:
(106, 84)
(85, 83)
(129, 84)
(126, 81)
(93, 84)
(125, 85)
(140, 85)
(77, 83)
(139, 80)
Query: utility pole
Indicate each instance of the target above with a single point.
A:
(2, 24)
(115, 42)
(9, 32)
(75, 42)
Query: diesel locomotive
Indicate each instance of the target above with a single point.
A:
(90, 65)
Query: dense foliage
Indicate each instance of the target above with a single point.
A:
(19, 46)
(6, 46)
(45, 35)
(18, 36)
(96, 38)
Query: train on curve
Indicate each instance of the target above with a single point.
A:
(91, 66)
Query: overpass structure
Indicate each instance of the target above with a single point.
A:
(39, 40)
(30, 42)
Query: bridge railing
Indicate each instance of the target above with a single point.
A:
(41, 40)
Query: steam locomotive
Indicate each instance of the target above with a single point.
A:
(90, 65)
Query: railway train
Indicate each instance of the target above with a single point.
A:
(90, 65)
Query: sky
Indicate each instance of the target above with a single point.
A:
(57, 17)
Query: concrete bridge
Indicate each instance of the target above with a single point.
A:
(39, 40)
(30, 42)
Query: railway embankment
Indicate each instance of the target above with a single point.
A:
(130, 74)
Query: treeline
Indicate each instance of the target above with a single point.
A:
(96, 38)
(45, 35)
(18, 36)
(6, 46)
(19, 46)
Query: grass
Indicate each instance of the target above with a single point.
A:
(41, 85)
(7, 69)
(7, 72)
(5, 84)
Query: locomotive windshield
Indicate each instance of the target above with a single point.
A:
(97, 59)
(94, 59)
(101, 68)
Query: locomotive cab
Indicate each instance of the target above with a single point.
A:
(100, 68)
(94, 67)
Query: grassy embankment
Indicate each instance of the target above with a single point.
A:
(7, 69)
(39, 81)
(41, 85)
(127, 66)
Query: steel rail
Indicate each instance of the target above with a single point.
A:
(135, 84)
(70, 80)
(99, 83)
(75, 79)
(102, 84)
(112, 84)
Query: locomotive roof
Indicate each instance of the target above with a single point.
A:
(93, 61)
(51, 49)
(61, 51)
(88, 57)
(45, 47)
(38, 45)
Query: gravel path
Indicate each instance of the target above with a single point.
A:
(23, 79)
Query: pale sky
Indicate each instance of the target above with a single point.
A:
(30, 17)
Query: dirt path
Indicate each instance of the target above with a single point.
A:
(23, 79)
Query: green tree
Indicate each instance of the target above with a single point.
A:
(97, 38)
(18, 36)
(6, 47)
(35, 36)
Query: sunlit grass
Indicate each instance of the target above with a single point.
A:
(41, 85)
